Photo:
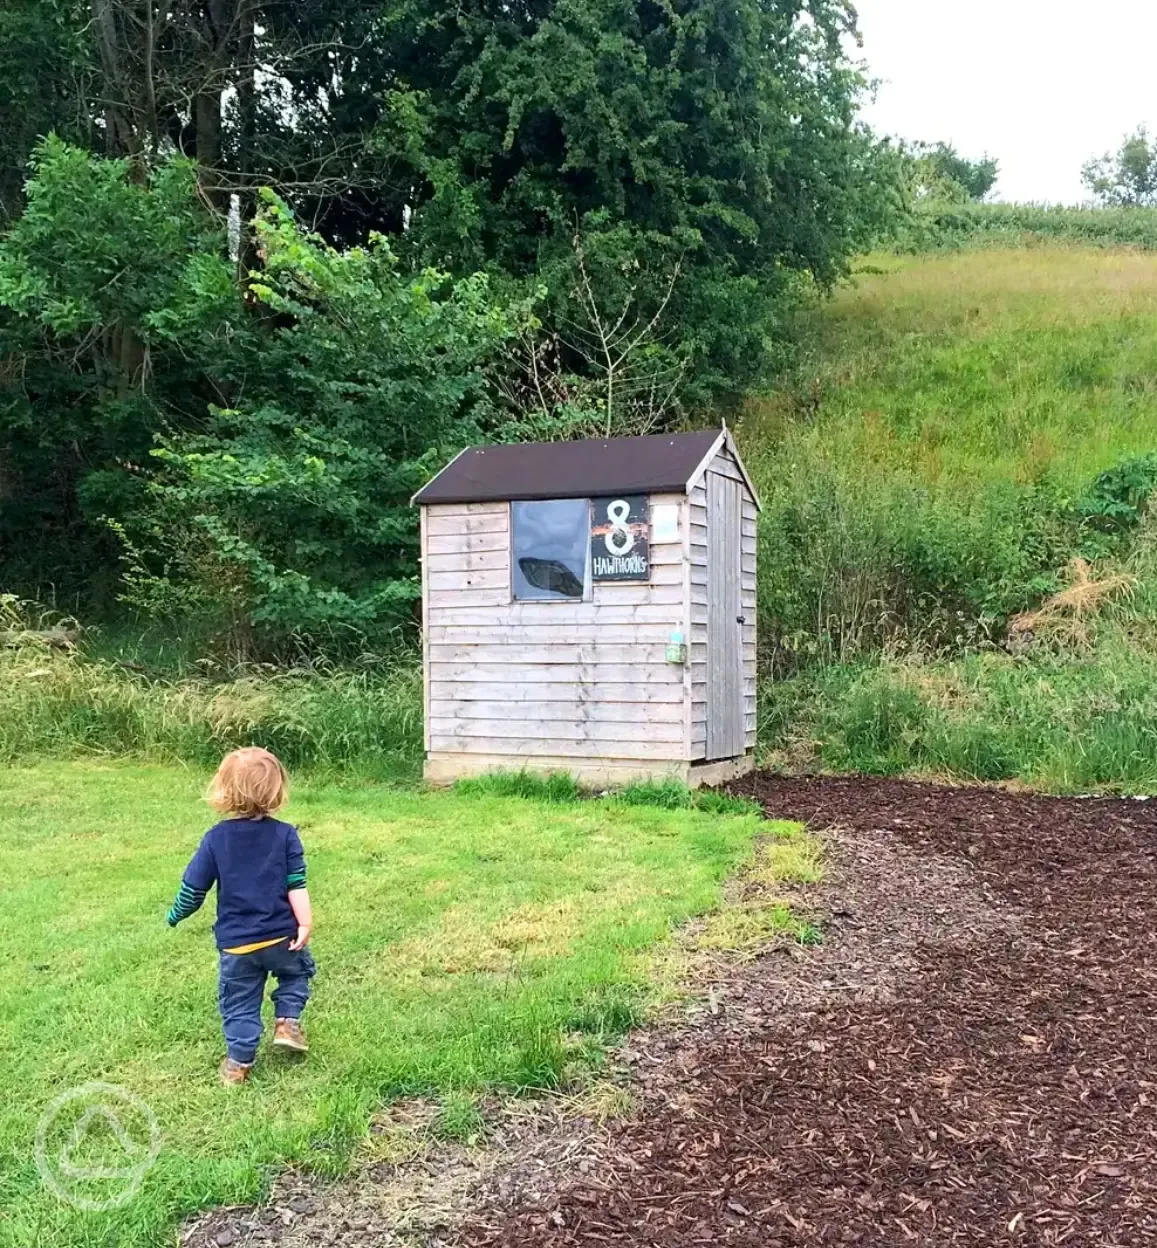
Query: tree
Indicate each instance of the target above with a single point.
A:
(114, 294)
(1126, 178)
(939, 172)
(258, 454)
(706, 152)
(289, 512)
(44, 77)
(718, 135)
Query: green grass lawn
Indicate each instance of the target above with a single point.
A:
(463, 941)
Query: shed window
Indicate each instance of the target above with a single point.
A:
(551, 549)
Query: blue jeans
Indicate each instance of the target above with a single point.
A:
(241, 989)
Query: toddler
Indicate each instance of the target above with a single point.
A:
(263, 913)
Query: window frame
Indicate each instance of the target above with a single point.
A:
(588, 578)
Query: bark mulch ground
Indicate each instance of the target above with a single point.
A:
(968, 1059)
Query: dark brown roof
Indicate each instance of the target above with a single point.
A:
(657, 464)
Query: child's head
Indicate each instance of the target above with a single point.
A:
(250, 783)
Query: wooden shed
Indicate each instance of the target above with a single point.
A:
(589, 607)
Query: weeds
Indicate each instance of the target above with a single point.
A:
(673, 795)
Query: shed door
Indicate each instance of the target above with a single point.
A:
(725, 726)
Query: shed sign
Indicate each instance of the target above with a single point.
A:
(620, 532)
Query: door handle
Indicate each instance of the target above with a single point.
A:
(741, 619)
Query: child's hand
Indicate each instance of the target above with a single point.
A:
(303, 913)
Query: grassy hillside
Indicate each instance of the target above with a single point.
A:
(968, 425)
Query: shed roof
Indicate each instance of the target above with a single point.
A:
(656, 464)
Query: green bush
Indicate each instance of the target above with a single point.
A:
(934, 226)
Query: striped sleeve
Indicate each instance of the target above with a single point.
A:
(295, 862)
(188, 901)
(200, 876)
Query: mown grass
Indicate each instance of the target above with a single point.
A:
(465, 941)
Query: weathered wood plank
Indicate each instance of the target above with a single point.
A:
(478, 634)
(573, 694)
(664, 573)
(685, 550)
(556, 730)
(450, 526)
(492, 578)
(608, 593)
(467, 509)
(531, 747)
(474, 599)
(569, 711)
(518, 653)
(470, 561)
(445, 768)
(471, 543)
(665, 553)
(724, 466)
(577, 673)
(424, 544)
(561, 614)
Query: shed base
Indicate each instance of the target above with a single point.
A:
(591, 773)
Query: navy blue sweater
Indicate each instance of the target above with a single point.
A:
(255, 864)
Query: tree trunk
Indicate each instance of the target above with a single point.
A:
(246, 154)
(120, 133)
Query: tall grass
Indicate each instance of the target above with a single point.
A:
(65, 704)
(1060, 722)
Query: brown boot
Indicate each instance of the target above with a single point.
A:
(233, 1073)
(287, 1034)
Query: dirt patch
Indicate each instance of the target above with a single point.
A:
(967, 1060)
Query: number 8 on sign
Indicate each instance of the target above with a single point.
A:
(619, 540)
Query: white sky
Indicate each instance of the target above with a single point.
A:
(1042, 85)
